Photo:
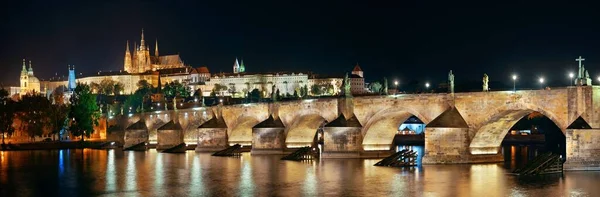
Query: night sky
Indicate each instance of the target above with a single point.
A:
(408, 41)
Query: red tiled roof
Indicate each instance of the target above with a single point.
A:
(202, 69)
(357, 68)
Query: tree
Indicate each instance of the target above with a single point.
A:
(84, 113)
(255, 95)
(58, 94)
(95, 87)
(375, 87)
(107, 86)
(175, 89)
(7, 111)
(57, 117)
(295, 94)
(143, 84)
(316, 90)
(305, 90)
(33, 112)
(118, 87)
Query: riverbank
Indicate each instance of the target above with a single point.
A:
(55, 145)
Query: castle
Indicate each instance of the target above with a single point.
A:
(140, 61)
(140, 65)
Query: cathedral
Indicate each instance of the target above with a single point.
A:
(140, 60)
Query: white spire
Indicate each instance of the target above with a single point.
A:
(236, 66)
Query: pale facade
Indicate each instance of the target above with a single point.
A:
(239, 84)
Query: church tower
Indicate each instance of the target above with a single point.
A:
(128, 67)
(236, 66)
(242, 67)
(142, 57)
(71, 84)
(357, 70)
(24, 77)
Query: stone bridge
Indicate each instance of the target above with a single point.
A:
(461, 127)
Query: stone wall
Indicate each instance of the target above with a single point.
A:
(268, 140)
(133, 137)
(342, 142)
(450, 145)
(211, 139)
(583, 149)
(169, 138)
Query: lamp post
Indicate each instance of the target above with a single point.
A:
(427, 86)
(396, 86)
(542, 82)
(514, 78)
(571, 75)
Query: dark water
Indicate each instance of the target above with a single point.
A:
(118, 173)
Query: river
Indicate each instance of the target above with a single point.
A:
(118, 173)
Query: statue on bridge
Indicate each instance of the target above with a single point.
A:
(451, 82)
(385, 86)
(486, 79)
(347, 91)
(583, 77)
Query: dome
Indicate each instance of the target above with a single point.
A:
(33, 79)
(203, 69)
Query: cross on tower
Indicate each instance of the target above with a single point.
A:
(580, 60)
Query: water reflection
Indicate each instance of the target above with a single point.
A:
(130, 174)
(118, 173)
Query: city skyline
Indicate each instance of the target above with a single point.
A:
(393, 41)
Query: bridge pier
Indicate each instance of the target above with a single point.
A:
(342, 138)
(135, 134)
(447, 141)
(169, 136)
(268, 137)
(582, 149)
(212, 135)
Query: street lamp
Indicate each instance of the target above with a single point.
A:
(396, 85)
(542, 82)
(571, 75)
(427, 86)
(514, 78)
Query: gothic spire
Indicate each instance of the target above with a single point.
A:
(156, 48)
(142, 43)
(24, 69)
(236, 66)
(127, 47)
(242, 67)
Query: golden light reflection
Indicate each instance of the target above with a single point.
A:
(196, 184)
(110, 171)
(246, 187)
(130, 174)
(485, 178)
(159, 171)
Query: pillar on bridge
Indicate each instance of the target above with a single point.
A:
(212, 135)
(169, 135)
(447, 141)
(582, 146)
(268, 137)
(115, 133)
(135, 134)
(342, 138)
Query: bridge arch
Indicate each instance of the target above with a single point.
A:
(380, 129)
(303, 128)
(241, 131)
(489, 136)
